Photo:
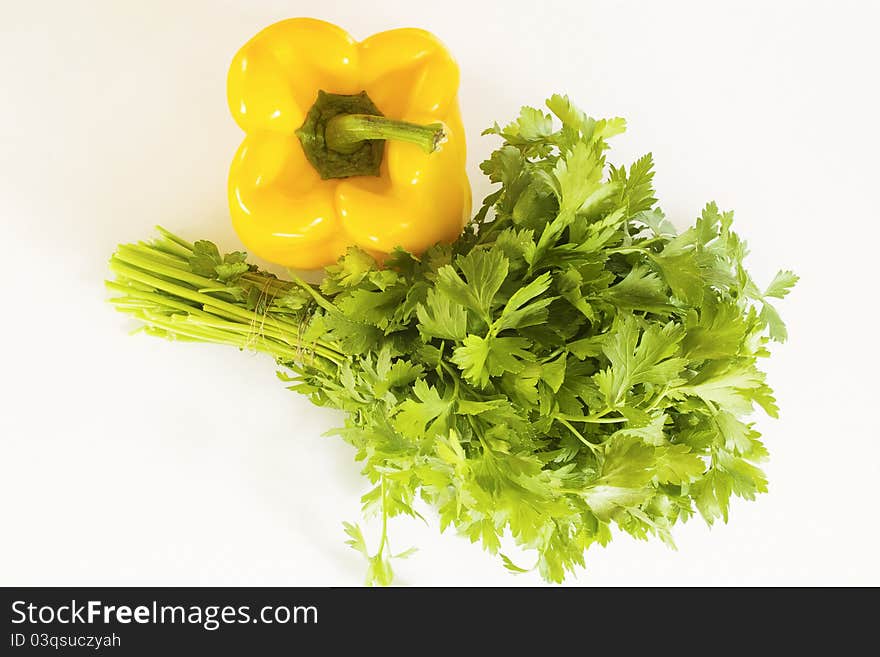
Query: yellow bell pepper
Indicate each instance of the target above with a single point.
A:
(319, 169)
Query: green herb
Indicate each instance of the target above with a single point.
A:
(570, 364)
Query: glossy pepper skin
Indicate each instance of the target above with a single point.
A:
(281, 208)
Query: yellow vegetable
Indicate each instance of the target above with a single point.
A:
(313, 175)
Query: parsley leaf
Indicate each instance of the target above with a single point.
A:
(570, 364)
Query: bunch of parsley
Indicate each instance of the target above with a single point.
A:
(569, 364)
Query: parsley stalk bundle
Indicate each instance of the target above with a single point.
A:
(569, 364)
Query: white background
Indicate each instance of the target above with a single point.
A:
(129, 460)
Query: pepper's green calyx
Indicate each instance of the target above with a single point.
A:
(344, 135)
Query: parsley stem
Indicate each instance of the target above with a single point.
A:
(312, 292)
(218, 336)
(283, 330)
(171, 247)
(384, 539)
(640, 248)
(455, 380)
(660, 397)
(595, 448)
(136, 274)
(591, 419)
(171, 237)
(128, 255)
(133, 293)
(627, 249)
(172, 259)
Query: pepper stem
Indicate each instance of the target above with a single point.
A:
(346, 133)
